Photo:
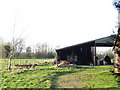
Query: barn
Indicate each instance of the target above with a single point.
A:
(84, 53)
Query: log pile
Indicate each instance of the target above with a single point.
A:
(26, 66)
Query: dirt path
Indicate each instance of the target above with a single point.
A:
(70, 81)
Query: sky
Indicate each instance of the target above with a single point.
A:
(57, 22)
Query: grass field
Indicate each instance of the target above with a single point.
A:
(47, 76)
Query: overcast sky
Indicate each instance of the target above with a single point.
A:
(57, 22)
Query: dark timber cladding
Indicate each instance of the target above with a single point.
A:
(84, 53)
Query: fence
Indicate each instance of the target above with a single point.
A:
(5, 62)
(32, 61)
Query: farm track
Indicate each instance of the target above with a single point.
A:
(70, 83)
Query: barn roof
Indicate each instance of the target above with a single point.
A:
(103, 42)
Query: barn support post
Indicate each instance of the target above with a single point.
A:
(94, 57)
(72, 53)
(93, 49)
(57, 57)
(57, 60)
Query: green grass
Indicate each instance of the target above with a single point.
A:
(99, 78)
(47, 76)
(90, 77)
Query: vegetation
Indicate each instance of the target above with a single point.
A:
(40, 50)
(90, 77)
(47, 76)
(17, 50)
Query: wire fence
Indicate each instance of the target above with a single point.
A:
(5, 62)
(33, 61)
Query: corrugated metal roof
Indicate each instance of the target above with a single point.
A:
(108, 39)
(105, 41)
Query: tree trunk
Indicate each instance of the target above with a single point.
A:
(117, 53)
(10, 65)
(116, 63)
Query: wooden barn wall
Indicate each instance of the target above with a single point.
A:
(83, 53)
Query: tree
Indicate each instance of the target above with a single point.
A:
(117, 53)
(116, 47)
(1, 46)
(43, 50)
(28, 52)
(13, 50)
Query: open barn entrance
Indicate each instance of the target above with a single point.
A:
(102, 52)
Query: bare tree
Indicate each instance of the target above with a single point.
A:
(28, 52)
(43, 50)
(19, 48)
(1, 46)
(13, 51)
